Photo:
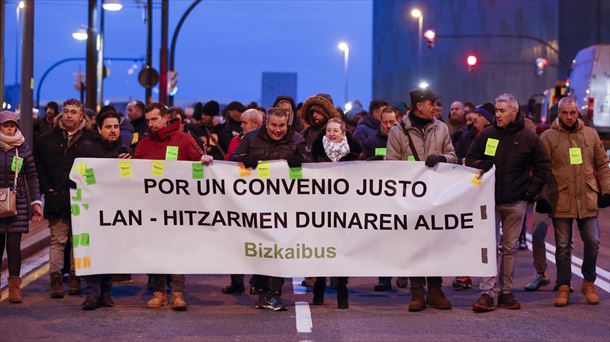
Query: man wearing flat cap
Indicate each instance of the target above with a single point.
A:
(420, 136)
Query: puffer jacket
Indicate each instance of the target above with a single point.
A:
(318, 154)
(100, 148)
(258, 144)
(522, 164)
(27, 188)
(572, 190)
(367, 128)
(433, 139)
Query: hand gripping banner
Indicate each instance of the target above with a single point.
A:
(378, 218)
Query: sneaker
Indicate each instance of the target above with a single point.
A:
(461, 283)
(537, 282)
(262, 301)
(484, 303)
(273, 302)
(522, 244)
(508, 301)
(234, 289)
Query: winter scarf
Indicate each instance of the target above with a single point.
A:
(335, 151)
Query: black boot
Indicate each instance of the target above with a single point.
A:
(318, 291)
(342, 296)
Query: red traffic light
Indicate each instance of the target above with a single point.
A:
(471, 60)
(430, 35)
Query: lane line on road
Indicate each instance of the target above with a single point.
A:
(303, 317)
(297, 288)
(576, 264)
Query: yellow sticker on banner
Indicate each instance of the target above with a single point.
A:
(77, 263)
(86, 262)
(491, 146)
(243, 171)
(476, 180)
(263, 169)
(81, 168)
(575, 156)
(157, 168)
(125, 168)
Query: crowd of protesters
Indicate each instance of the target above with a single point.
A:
(564, 172)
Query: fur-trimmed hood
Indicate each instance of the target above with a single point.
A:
(328, 110)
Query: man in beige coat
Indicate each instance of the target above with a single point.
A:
(580, 182)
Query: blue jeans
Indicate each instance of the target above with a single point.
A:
(589, 233)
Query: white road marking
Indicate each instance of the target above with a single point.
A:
(297, 288)
(603, 276)
(303, 317)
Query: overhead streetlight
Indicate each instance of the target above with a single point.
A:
(112, 5)
(416, 13)
(345, 48)
(423, 85)
(21, 5)
(348, 106)
(80, 35)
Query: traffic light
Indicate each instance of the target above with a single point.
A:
(430, 36)
(541, 63)
(172, 80)
(471, 60)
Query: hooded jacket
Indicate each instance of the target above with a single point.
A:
(572, 190)
(154, 146)
(311, 133)
(294, 120)
(519, 152)
(367, 128)
(433, 139)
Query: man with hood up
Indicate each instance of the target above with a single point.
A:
(55, 152)
(316, 111)
(287, 104)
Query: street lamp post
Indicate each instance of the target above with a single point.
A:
(345, 48)
(416, 13)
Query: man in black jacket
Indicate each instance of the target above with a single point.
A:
(274, 141)
(54, 153)
(105, 145)
(515, 151)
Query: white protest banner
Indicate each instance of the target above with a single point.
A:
(382, 218)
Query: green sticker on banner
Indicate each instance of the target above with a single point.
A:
(86, 206)
(197, 170)
(411, 158)
(171, 153)
(78, 196)
(296, 172)
(380, 151)
(263, 169)
(75, 240)
(16, 164)
(75, 209)
(90, 176)
(84, 239)
(575, 156)
(491, 146)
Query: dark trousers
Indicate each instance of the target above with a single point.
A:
(98, 283)
(268, 283)
(341, 282)
(433, 282)
(237, 279)
(160, 282)
(13, 252)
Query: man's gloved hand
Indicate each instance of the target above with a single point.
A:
(250, 162)
(486, 165)
(434, 159)
(295, 161)
(603, 201)
(543, 206)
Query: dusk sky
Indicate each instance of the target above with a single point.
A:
(222, 50)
